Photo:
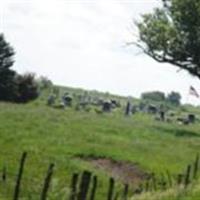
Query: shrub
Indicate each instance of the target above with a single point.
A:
(154, 96)
(27, 88)
(44, 82)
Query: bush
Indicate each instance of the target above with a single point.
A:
(44, 82)
(27, 88)
(174, 98)
(154, 96)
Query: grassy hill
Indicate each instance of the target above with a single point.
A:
(69, 137)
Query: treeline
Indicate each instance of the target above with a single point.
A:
(15, 87)
(173, 98)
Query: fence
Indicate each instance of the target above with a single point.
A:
(84, 186)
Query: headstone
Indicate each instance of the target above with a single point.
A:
(67, 99)
(51, 100)
(191, 118)
(152, 109)
(162, 115)
(106, 107)
(128, 109)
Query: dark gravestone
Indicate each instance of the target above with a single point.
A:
(106, 106)
(162, 116)
(191, 118)
(67, 100)
(128, 109)
(152, 109)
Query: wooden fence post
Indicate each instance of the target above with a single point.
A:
(19, 176)
(84, 185)
(74, 182)
(4, 174)
(94, 187)
(111, 189)
(47, 181)
(187, 176)
(179, 179)
(125, 193)
(196, 167)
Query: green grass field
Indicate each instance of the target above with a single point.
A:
(61, 136)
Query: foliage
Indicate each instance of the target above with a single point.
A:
(174, 98)
(14, 87)
(171, 34)
(27, 88)
(7, 85)
(44, 82)
(154, 96)
(56, 91)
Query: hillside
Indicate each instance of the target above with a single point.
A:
(75, 140)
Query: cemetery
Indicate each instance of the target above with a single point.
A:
(131, 131)
(107, 142)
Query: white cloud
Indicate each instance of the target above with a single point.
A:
(81, 43)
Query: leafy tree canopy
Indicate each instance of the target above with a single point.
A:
(174, 98)
(154, 96)
(7, 85)
(14, 87)
(171, 34)
(27, 88)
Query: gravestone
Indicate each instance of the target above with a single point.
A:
(67, 99)
(106, 107)
(191, 118)
(152, 109)
(51, 100)
(162, 115)
(128, 109)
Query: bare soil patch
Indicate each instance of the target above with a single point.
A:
(126, 172)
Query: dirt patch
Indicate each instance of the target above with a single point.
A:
(124, 171)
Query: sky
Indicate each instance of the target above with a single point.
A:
(82, 43)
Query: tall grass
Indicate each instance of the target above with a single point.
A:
(58, 136)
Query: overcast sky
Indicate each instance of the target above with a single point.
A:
(81, 43)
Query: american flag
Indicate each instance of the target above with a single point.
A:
(192, 91)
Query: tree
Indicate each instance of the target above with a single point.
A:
(14, 87)
(7, 85)
(171, 34)
(44, 82)
(174, 98)
(153, 96)
(27, 88)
